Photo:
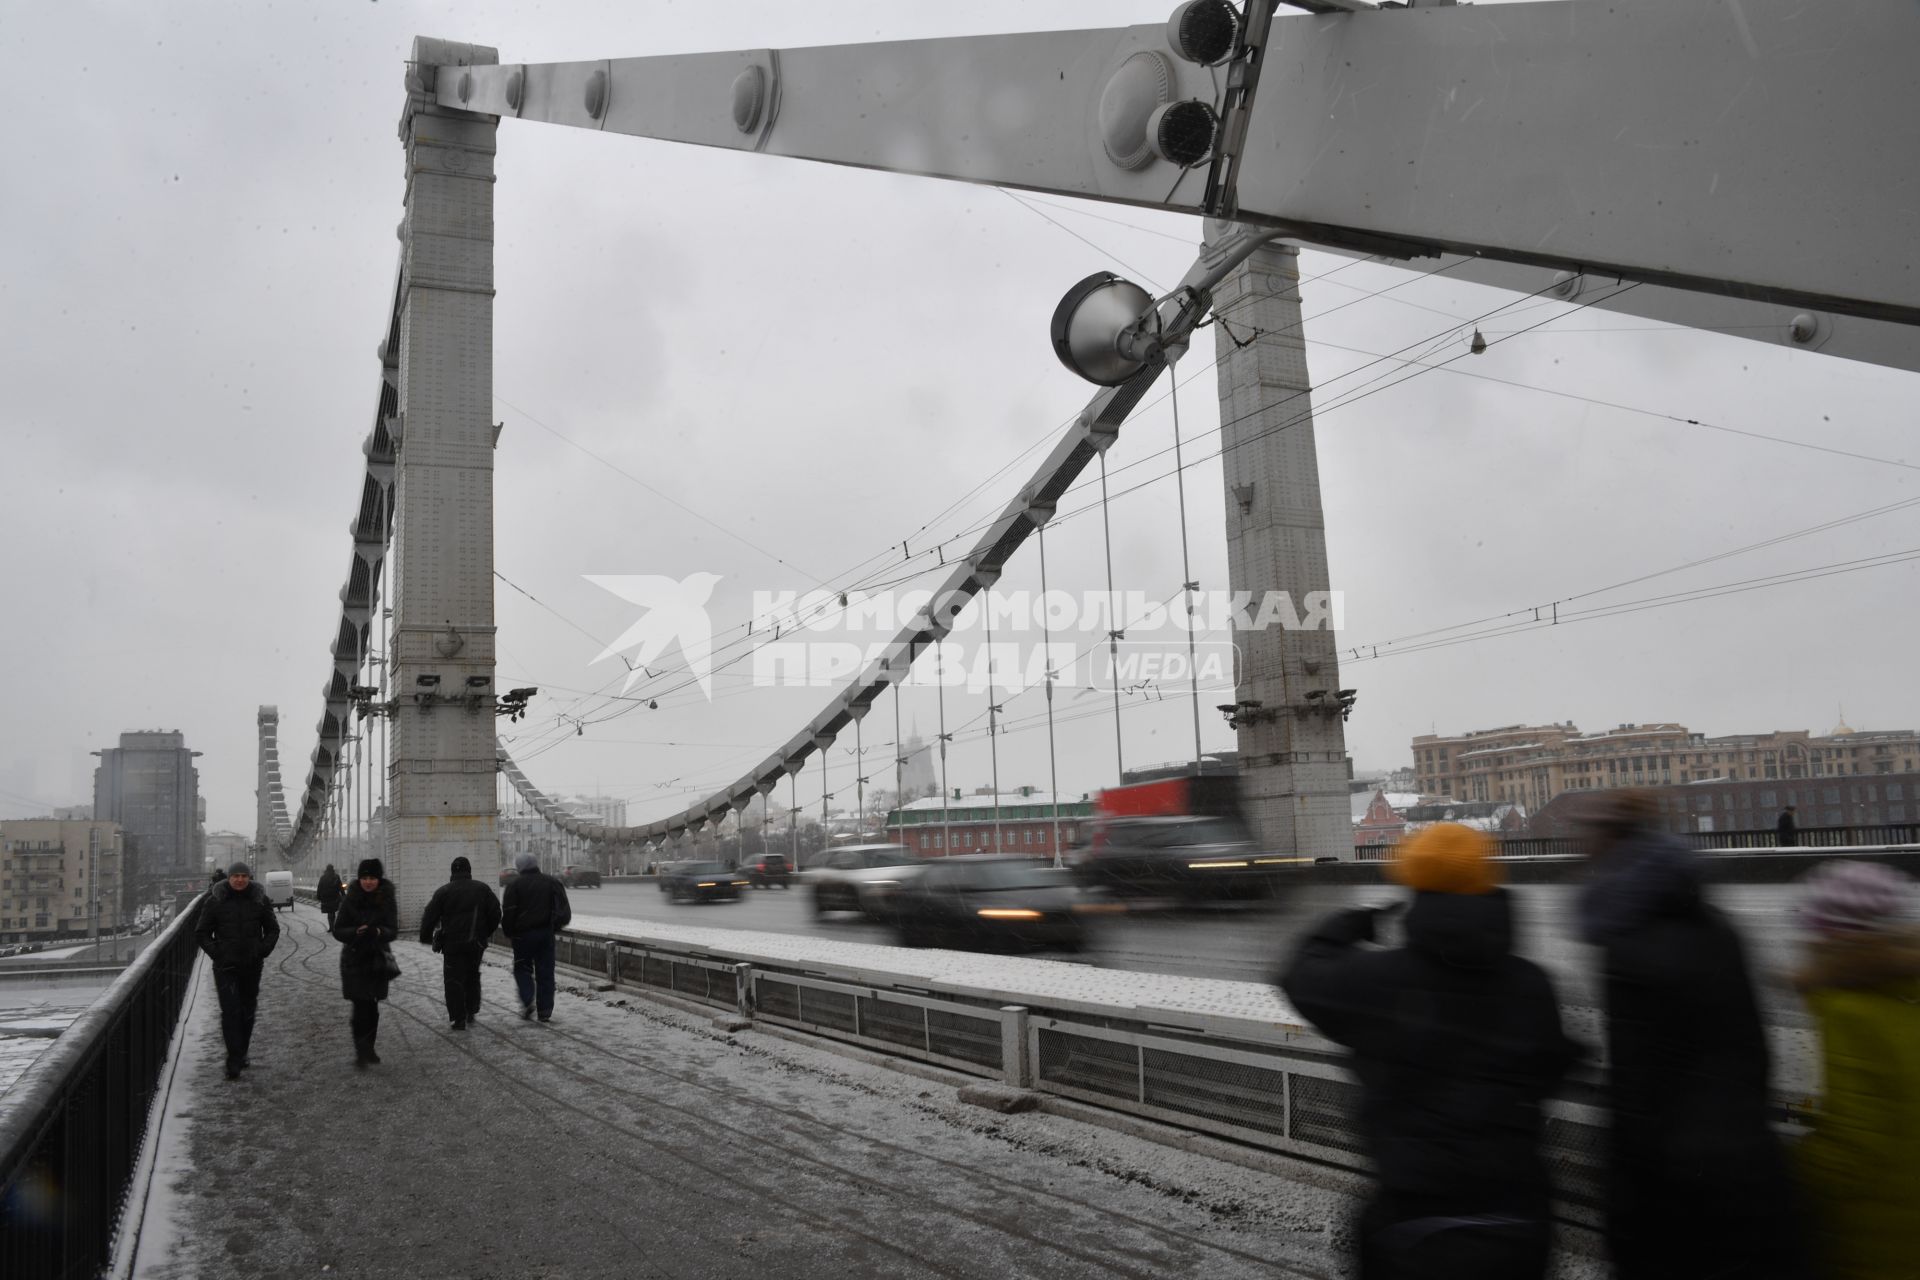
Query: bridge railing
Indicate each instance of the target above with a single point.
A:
(1861, 836)
(71, 1126)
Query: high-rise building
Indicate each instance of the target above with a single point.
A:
(149, 786)
(916, 773)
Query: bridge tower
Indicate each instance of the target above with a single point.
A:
(1293, 770)
(440, 356)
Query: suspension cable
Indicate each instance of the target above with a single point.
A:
(1188, 585)
(1053, 762)
(1114, 633)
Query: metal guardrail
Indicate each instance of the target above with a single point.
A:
(1272, 1087)
(71, 1126)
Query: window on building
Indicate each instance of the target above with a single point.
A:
(1832, 795)
(1768, 799)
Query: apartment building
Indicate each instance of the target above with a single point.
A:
(58, 878)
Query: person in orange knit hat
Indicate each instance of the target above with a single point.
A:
(1457, 1042)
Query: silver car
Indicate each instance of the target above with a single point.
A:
(861, 877)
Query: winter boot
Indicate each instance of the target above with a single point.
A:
(363, 1053)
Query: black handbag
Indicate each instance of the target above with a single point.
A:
(391, 964)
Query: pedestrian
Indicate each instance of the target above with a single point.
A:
(367, 923)
(328, 890)
(1457, 1042)
(458, 921)
(533, 910)
(1861, 980)
(238, 932)
(1697, 1183)
(1786, 831)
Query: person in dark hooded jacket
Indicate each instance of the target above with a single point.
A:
(1697, 1183)
(457, 923)
(368, 922)
(328, 889)
(238, 932)
(533, 910)
(1457, 1043)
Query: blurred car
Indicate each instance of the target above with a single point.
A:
(768, 870)
(580, 877)
(862, 877)
(701, 882)
(991, 900)
(1189, 857)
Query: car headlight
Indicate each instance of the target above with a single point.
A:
(707, 884)
(1214, 863)
(1007, 913)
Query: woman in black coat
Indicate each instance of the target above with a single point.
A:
(369, 919)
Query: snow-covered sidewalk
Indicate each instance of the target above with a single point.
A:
(630, 1139)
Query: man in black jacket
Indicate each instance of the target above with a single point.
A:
(1786, 831)
(534, 909)
(458, 921)
(1457, 1042)
(1698, 1184)
(328, 889)
(238, 931)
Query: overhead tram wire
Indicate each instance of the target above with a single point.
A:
(1365, 653)
(935, 548)
(1283, 426)
(1549, 606)
(1351, 398)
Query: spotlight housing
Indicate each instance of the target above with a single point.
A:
(1088, 323)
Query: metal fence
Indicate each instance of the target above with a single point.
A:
(72, 1125)
(1273, 1087)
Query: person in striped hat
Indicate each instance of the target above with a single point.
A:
(1861, 980)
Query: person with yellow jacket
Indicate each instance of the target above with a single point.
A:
(1861, 980)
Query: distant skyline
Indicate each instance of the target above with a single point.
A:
(777, 373)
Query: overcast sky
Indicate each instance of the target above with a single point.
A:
(199, 242)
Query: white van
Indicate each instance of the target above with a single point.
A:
(280, 889)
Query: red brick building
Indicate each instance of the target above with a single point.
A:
(934, 828)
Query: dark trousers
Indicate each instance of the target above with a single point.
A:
(533, 969)
(460, 968)
(1406, 1240)
(239, 988)
(366, 1020)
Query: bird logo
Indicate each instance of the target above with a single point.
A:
(675, 612)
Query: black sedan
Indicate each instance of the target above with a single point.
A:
(701, 882)
(990, 901)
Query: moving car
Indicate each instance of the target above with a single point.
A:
(279, 885)
(580, 877)
(1188, 856)
(861, 877)
(701, 882)
(991, 900)
(767, 870)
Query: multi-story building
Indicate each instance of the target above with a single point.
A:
(58, 878)
(1529, 765)
(148, 785)
(934, 828)
(1729, 804)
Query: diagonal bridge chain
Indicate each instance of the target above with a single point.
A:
(1156, 339)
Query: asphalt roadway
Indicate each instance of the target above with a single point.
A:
(628, 1139)
(1247, 942)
